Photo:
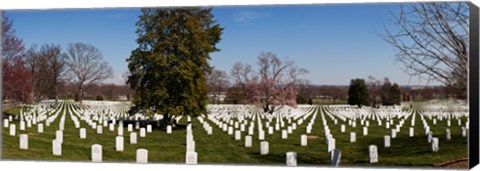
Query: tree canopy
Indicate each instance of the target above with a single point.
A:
(168, 68)
(358, 93)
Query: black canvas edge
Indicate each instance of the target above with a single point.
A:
(473, 93)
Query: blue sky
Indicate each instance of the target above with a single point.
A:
(334, 42)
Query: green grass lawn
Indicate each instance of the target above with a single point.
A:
(221, 148)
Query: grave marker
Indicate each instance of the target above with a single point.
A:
(83, 133)
(59, 135)
(149, 128)
(353, 137)
(169, 129)
(386, 141)
(303, 140)
(24, 141)
(373, 154)
(143, 132)
(96, 153)
(248, 141)
(435, 146)
(291, 159)
(12, 129)
(119, 143)
(142, 155)
(191, 158)
(133, 138)
(263, 148)
(40, 128)
(56, 147)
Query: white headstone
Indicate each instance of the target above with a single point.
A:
(284, 134)
(270, 130)
(56, 147)
(248, 141)
(250, 130)
(448, 134)
(429, 137)
(303, 140)
(394, 133)
(291, 159)
(373, 154)
(22, 125)
(149, 128)
(83, 133)
(142, 155)
(464, 132)
(5, 123)
(261, 135)
(331, 144)
(238, 135)
(191, 157)
(365, 131)
(40, 128)
(263, 148)
(169, 129)
(129, 127)
(143, 132)
(289, 129)
(410, 132)
(96, 153)
(120, 130)
(119, 143)
(435, 146)
(230, 130)
(133, 138)
(12, 129)
(342, 128)
(59, 135)
(111, 127)
(190, 146)
(99, 130)
(353, 137)
(24, 141)
(386, 141)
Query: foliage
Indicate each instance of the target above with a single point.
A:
(168, 68)
(99, 98)
(358, 93)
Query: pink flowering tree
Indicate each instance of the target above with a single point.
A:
(275, 85)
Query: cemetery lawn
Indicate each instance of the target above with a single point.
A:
(221, 148)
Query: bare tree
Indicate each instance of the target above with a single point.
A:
(87, 66)
(217, 82)
(241, 75)
(276, 86)
(374, 87)
(48, 69)
(432, 41)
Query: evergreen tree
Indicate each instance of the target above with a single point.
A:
(358, 93)
(169, 67)
(395, 94)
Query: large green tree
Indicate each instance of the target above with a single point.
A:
(358, 93)
(169, 67)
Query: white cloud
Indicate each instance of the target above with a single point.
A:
(247, 16)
